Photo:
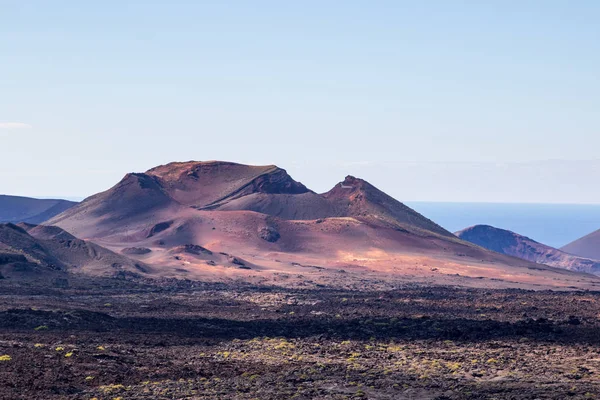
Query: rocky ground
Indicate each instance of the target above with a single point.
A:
(194, 341)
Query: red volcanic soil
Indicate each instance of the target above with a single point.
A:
(283, 232)
(587, 246)
(512, 244)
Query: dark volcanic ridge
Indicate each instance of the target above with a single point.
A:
(512, 244)
(28, 250)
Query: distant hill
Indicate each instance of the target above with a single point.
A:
(587, 246)
(34, 250)
(34, 211)
(513, 244)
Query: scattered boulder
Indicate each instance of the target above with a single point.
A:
(237, 261)
(61, 283)
(194, 249)
(136, 250)
(161, 226)
(141, 268)
(269, 234)
(9, 258)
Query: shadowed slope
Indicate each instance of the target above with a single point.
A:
(15, 240)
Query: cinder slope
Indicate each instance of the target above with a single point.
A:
(513, 244)
(587, 246)
(24, 209)
(359, 199)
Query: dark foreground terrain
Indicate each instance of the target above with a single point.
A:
(123, 340)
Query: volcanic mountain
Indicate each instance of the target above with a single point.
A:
(587, 246)
(28, 249)
(513, 244)
(225, 186)
(24, 209)
(206, 219)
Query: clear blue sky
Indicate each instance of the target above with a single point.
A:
(429, 100)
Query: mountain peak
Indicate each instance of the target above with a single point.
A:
(358, 198)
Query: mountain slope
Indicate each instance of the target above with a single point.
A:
(136, 197)
(512, 244)
(24, 209)
(359, 199)
(587, 246)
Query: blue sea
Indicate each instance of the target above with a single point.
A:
(553, 224)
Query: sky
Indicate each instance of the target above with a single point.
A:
(482, 101)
